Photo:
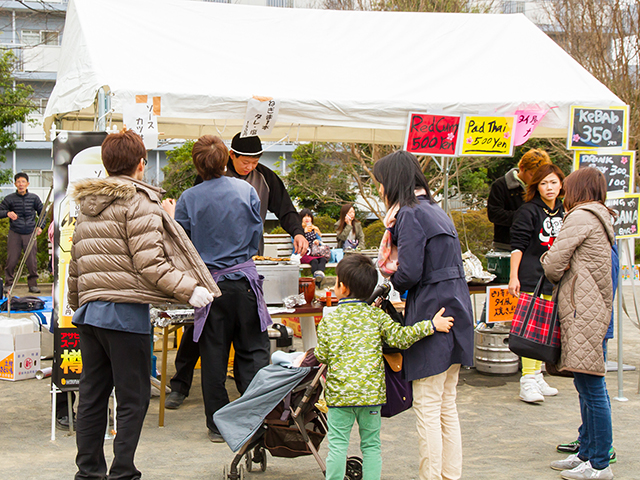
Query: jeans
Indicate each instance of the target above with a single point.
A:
(595, 409)
(341, 421)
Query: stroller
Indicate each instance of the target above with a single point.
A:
(278, 413)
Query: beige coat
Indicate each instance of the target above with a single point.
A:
(585, 296)
(127, 249)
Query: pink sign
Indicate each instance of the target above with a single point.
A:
(526, 122)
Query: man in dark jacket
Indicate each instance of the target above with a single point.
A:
(244, 158)
(506, 196)
(22, 208)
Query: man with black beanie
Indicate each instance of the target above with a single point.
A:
(244, 158)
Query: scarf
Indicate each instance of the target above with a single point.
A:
(387, 261)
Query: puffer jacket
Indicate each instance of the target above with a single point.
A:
(127, 249)
(585, 293)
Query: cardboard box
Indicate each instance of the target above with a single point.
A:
(19, 356)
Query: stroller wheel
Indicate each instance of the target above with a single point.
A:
(354, 468)
(225, 473)
(248, 461)
(263, 460)
(240, 472)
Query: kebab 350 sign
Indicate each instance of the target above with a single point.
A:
(598, 127)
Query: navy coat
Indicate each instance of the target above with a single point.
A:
(430, 268)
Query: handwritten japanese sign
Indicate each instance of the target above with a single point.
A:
(598, 127)
(501, 305)
(526, 122)
(487, 136)
(140, 118)
(617, 168)
(626, 224)
(432, 134)
(260, 118)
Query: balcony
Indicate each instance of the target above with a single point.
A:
(40, 58)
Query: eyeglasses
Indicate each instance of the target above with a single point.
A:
(145, 161)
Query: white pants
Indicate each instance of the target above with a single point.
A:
(439, 438)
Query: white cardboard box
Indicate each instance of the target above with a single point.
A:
(19, 356)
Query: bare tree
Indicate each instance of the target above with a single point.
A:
(604, 37)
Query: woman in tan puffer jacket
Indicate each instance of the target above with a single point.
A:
(580, 261)
(127, 253)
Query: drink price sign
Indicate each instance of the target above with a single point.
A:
(626, 223)
(598, 127)
(617, 168)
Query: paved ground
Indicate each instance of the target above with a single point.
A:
(503, 438)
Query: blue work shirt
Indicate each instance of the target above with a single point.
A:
(123, 317)
(222, 218)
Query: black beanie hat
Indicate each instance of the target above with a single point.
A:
(246, 146)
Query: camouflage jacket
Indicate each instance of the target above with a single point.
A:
(350, 344)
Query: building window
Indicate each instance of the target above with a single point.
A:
(280, 3)
(39, 37)
(40, 178)
(512, 7)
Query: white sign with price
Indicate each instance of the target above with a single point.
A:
(260, 118)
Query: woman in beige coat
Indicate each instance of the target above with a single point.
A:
(580, 261)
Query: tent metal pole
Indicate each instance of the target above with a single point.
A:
(621, 397)
(102, 121)
(445, 171)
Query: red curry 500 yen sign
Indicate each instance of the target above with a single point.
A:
(432, 134)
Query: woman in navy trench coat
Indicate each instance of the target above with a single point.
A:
(430, 268)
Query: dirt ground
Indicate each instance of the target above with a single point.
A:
(503, 438)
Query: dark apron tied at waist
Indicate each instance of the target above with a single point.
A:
(248, 269)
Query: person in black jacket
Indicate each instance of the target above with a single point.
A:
(506, 196)
(244, 158)
(22, 208)
(535, 227)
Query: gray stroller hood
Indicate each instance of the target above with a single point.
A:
(240, 420)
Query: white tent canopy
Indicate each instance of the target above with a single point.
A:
(339, 75)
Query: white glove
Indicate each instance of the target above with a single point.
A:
(200, 297)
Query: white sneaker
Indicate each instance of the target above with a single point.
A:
(529, 390)
(544, 387)
(585, 471)
(572, 461)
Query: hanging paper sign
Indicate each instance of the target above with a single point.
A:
(626, 223)
(140, 118)
(260, 118)
(598, 127)
(501, 305)
(526, 122)
(432, 134)
(487, 136)
(617, 168)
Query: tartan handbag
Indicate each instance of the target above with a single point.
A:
(535, 329)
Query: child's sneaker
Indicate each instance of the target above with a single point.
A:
(612, 456)
(529, 390)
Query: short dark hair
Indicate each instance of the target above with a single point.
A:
(305, 212)
(357, 273)
(20, 175)
(541, 173)
(400, 174)
(122, 152)
(210, 156)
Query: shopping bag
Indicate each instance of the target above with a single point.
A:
(399, 391)
(535, 329)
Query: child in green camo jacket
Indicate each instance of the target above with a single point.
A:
(350, 344)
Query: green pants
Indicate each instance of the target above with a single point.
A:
(341, 421)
